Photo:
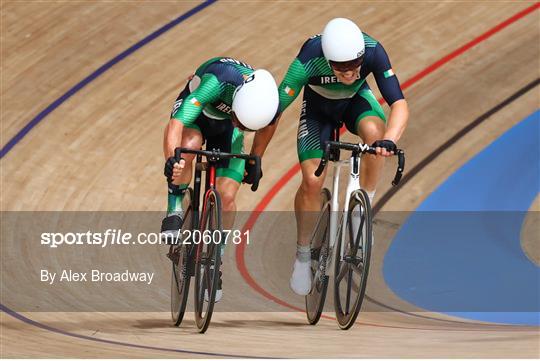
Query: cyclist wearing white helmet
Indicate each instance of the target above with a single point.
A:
(221, 100)
(343, 46)
(332, 68)
(255, 101)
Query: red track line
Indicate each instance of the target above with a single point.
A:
(469, 45)
(261, 206)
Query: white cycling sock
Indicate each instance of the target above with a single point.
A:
(303, 253)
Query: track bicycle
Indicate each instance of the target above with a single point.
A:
(201, 259)
(343, 240)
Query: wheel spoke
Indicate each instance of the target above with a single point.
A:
(360, 232)
(351, 234)
(342, 271)
(355, 241)
(357, 271)
(349, 287)
(201, 290)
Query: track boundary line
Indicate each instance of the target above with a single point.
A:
(111, 342)
(440, 149)
(98, 72)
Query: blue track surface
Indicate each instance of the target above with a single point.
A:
(460, 252)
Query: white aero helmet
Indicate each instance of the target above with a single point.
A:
(256, 101)
(342, 40)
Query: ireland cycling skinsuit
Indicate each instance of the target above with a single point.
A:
(205, 105)
(329, 103)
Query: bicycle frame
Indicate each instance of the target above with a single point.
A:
(353, 182)
(210, 183)
(203, 258)
(352, 185)
(341, 228)
(210, 180)
(197, 192)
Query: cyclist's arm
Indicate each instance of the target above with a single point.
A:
(291, 85)
(172, 138)
(397, 121)
(388, 84)
(288, 90)
(189, 110)
(263, 137)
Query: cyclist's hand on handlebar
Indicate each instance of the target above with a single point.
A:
(173, 168)
(385, 147)
(250, 172)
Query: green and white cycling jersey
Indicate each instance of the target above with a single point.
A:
(327, 102)
(205, 105)
(210, 90)
(310, 68)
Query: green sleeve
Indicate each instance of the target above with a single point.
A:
(208, 91)
(291, 85)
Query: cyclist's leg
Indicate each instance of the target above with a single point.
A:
(307, 200)
(313, 131)
(365, 118)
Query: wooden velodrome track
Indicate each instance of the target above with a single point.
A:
(100, 149)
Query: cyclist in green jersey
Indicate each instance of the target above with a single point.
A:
(224, 98)
(332, 68)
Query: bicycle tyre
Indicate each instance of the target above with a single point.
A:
(180, 277)
(355, 261)
(208, 262)
(319, 256)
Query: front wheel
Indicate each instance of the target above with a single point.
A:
(208, 261)
(319, 256)
(179, 254)
(351, 270)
